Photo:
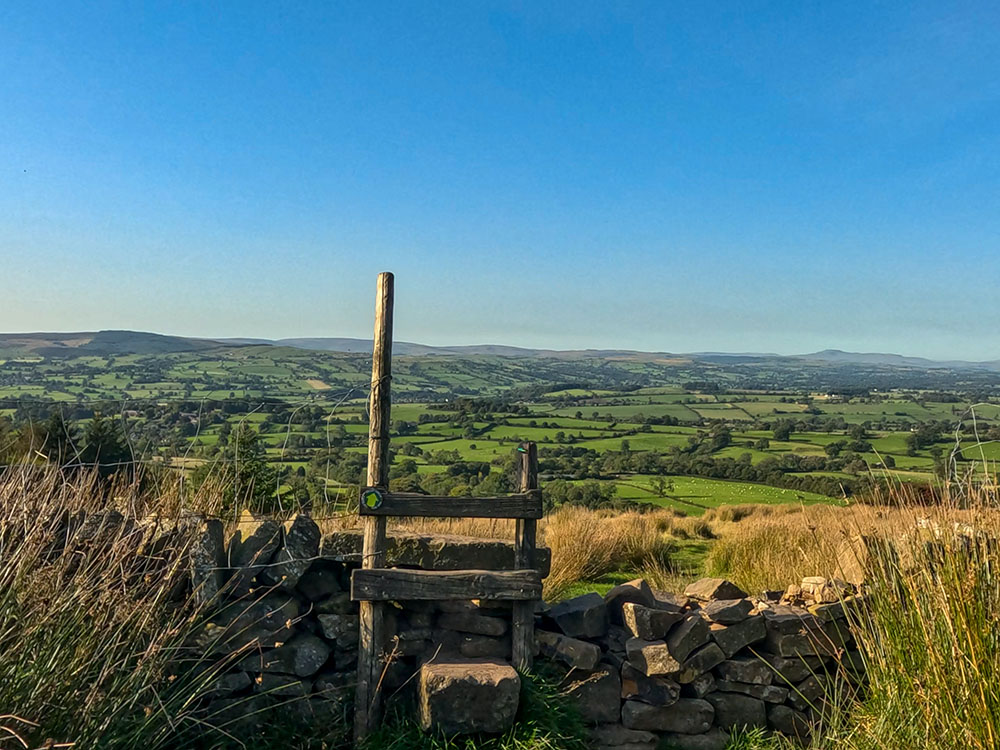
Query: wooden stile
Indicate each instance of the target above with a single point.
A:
(374, 584)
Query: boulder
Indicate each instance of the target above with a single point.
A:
(597, 694)
(733, 638)
(709, 589)
(736, 711)
(685, 716)
(648, 623)
(468, 697)
(652, 657)
(727, 611)
(582, 617)
(692, 633)
(570, 651)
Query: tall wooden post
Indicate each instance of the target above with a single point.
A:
(370, 662)
(523, 630)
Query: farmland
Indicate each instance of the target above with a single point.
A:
(684, 433)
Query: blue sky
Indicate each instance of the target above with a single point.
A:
(741, 176)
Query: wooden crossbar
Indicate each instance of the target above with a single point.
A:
(397, 584)
(376, 502)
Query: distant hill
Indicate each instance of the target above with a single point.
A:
(138, 342)
(99, 343)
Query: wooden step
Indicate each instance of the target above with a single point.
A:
(395, 584)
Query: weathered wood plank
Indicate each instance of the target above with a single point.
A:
(524, 505)
(370, 659)
(397, 584)
(523, 613)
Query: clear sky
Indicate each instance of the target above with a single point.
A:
(741, 176)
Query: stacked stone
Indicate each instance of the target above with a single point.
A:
(648, 667)
(284, 624)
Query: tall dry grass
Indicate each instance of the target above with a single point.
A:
(94, 621)
(588, 544)
(930, 632)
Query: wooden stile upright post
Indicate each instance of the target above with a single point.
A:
(370, 662)
(523, 630)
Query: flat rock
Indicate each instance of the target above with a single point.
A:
(734, 638)
(700, 662)
(656, 691)
(736, 711)
(468, 697)
(652, 657)
(727, 611)
(708, 589)
(636, 591)
(648, 623)
(690, 634)
(686, 716)
(262, 623)
(766, 693)
(433, 551)
(713, 739)
(746, 669)
(617, 737)
(582, 616)
(789, 670)
(570, 651)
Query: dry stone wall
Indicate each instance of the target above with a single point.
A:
(647, 668)
(653, 669)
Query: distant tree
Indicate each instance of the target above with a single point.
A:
(104, 445)
(783, 430)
